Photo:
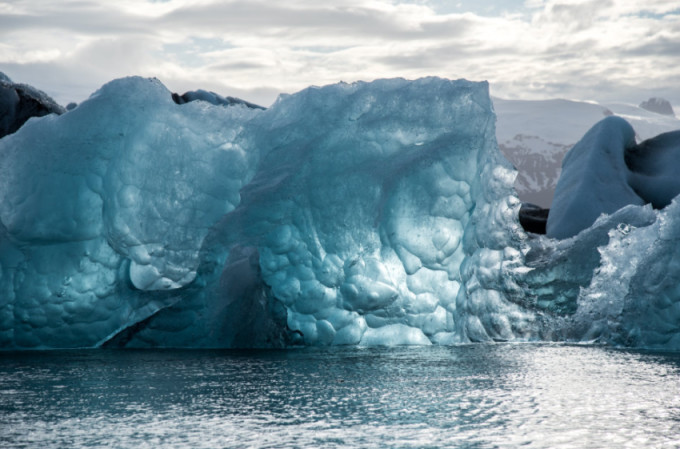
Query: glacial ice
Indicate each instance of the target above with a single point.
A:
(594, 179)
(606, 170)
(374, 213)
(653, 167)
(19, 102)
(341, 215)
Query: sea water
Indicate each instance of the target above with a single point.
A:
(474, 396)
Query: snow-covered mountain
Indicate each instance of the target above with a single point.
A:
(535, 136)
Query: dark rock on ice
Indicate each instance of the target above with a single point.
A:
(533, 218)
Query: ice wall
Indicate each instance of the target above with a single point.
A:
(613, 276)
(366, 202)
(365, 213)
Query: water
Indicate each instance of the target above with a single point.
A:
(477, 396)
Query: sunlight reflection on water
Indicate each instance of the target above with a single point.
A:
(477, 396)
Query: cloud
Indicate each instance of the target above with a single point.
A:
(574, 16)
(581, 49)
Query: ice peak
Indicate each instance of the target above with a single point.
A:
(658, 105)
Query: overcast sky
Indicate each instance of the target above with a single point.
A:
(602, 50)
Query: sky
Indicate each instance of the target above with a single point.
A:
(592, 50)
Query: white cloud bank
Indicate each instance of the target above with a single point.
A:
(599, 49)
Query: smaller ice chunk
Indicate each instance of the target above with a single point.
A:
(654, 165)
(594, 179)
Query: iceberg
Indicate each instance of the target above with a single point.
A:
(376, 213)
(606, 271)
(362, 213)
(606, 170)
(108, 201)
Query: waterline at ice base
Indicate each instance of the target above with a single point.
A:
(376, 213)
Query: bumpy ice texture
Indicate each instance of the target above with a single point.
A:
(105, 205)
(370, 213)
(616, 281)
(383, 212)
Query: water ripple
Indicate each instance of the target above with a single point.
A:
(477, 396)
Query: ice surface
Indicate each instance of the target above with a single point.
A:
(341, 215)
(374, 213)
(594, 179)
(19, 102)
(654, 168)
(607, 170)
(108, 200)
(363, 209)
(632, 298)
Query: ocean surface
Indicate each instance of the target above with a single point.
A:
(474, 396)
